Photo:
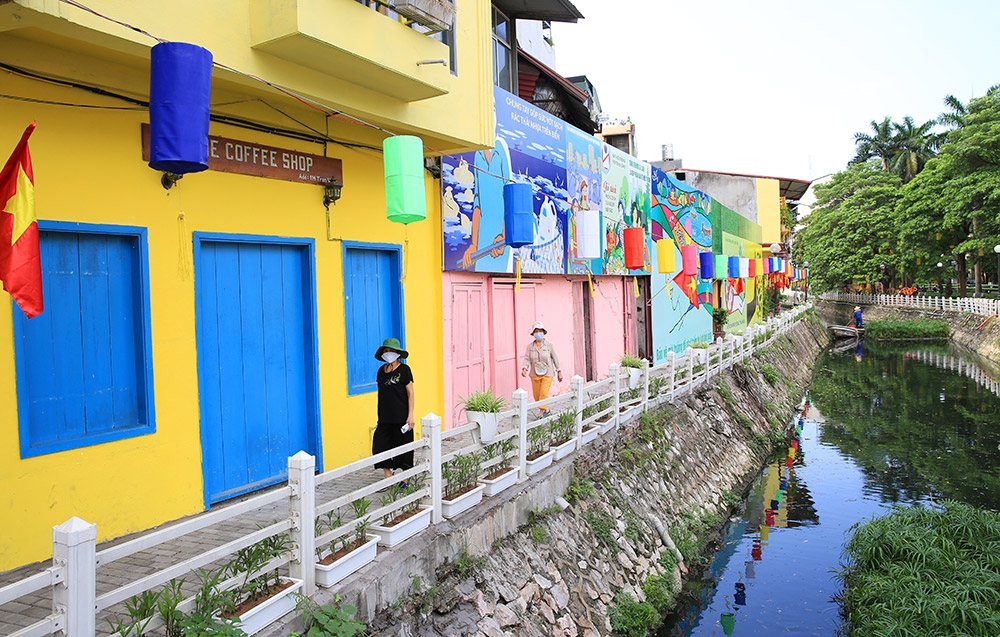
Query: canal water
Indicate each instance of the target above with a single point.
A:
(883, 426)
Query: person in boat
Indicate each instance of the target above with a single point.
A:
(858, 321)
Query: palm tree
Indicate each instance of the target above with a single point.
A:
(914, 146)
(882, 144)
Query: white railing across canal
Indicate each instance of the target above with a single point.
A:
(983, 307)
(598, 407)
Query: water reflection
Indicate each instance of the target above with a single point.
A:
(885, 425)
(920, 422)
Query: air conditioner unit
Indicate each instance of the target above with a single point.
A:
(436, 15)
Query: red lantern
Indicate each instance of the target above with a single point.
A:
(635, 248)
(753, 268)
(689, 259)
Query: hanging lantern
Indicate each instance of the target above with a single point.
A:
(767, 266)
(588, 228)
(707, 263)
(919, 261)
(518, 215)
(744, 268)
(180, 85)
(760, 266)
(752, 268)
(403, 159)
(734, 267)
(635, 243)
(689, 259)
(721, 266)
(666, 261)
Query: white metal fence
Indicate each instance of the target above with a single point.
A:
(598, 407)
(983, 307)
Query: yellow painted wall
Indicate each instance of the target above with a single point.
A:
(769, 210)
(88, 168)
(755, 285)
(451, 122)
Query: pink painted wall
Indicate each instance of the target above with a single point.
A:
(557, 302)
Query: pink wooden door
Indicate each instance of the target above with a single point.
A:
(631, 325)
(511, 318)
(468, 344)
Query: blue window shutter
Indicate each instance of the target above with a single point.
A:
(82, 365)
(372, 309)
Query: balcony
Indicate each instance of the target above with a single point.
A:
(349, 41)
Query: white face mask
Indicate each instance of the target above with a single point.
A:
(390, 357)
(539, 336)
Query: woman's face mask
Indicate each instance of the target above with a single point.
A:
(390, 357)
(539, 336)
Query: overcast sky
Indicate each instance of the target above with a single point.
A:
(777, 87)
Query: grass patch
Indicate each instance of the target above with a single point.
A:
(690, 534)
(632, 618)
(659, 591)
(770, 374)
(921, 328)
(579, 489)
(601, 524)
(921, 571)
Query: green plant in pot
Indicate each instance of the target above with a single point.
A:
(461, 474)
(633, 366)
(720, 316)
(563, 428)
(483, 408)
(502, 450)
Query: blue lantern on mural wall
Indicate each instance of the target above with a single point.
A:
(519, 215)
(180, 87)
(734, 267)
(707, 262)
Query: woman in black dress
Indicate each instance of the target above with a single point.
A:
(395, 406)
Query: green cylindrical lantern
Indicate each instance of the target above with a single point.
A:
(721, 266)
(405, 199)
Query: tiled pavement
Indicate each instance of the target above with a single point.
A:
(32, 608)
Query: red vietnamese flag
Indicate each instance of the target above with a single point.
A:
(20, 263)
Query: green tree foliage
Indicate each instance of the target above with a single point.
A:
(851, 232)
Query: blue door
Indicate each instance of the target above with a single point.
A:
(257, 364)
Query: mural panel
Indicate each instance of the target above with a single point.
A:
(681, 304)
(626, 183)
(529, 148)
(583, 172)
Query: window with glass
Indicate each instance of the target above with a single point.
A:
(503, 51)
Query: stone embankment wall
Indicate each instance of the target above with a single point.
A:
(980, 334)
(530, 563)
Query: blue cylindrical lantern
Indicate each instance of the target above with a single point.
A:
(180, 85)
(707, 262)
(519, 215)
(734, 267)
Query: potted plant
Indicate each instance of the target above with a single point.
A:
(633, 365)
(462, 490)
(355, 549)
(591, 427)
(539, 455)
(261, 597)
(403, 522)
(562, 434)
(483, 408)
(502, 474)
(720, 316)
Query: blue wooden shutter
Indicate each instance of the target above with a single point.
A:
(372, 310)
(82, 363)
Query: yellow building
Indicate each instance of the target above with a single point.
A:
(195, 336)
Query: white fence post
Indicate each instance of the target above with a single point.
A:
(670, 375)
(689, 352)
(431, 424)
(615, 371)
(645, 384)
(74, 546)
(576, 387)
(520, 402)
(302, 509)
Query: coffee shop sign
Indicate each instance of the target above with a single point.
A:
(259, 160)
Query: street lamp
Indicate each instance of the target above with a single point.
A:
(805, 286)
(775, 248)
(940, 279)
(996, 249)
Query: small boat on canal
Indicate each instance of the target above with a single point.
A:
(846, 331)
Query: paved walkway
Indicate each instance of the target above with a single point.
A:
(32, 608)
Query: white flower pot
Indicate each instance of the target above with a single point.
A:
(464, 502)
(564, 449)
(536, 465)
(496, 485)
(270, 610)
(390, 536)
(634, 376)
(607, 426)
(329, 574)
(487, 422)
(589, 435)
